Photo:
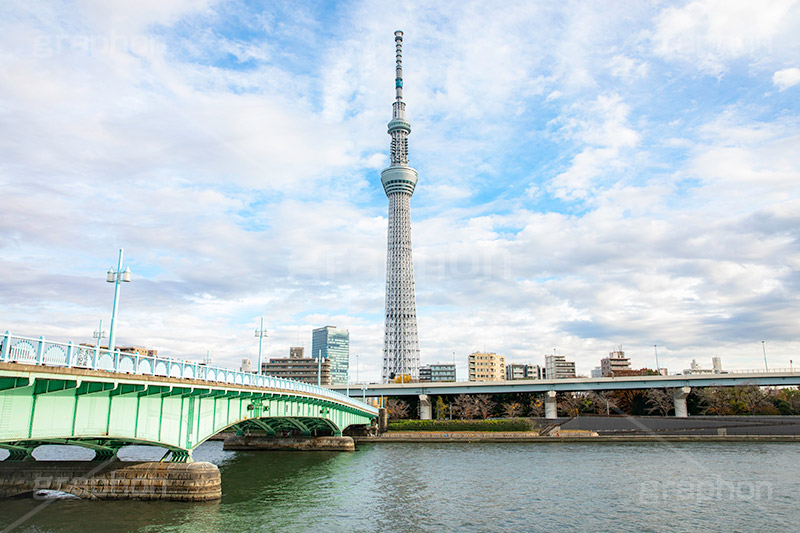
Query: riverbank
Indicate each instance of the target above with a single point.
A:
(533, 437)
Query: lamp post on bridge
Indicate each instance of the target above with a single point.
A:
(99, 334)
(763, 349)
(115, 277)
(260, 333)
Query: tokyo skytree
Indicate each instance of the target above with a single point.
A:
(400, 342)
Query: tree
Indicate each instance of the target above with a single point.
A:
(751, 397)
(714, 400)
(464, 406)
(396, 408)
(632, 402)
(536, 406)
(661, 401)
(440, 408)
(484, 405)
(402, 378)
(573, 403)
(512, 409)
(602, 402)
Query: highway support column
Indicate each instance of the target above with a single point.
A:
(550, 405)
(680, 402)
(424, 407)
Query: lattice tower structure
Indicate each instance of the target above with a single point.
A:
(400, 340)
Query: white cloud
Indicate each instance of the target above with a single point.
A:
(785, 78)
(711, 33)
(603, 129)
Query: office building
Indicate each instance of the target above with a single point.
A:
(333, 344)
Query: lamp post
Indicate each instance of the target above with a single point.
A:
(319, 369)
(763, 349)
(260, 333)
(658, 368)
(99, 334)
(356, 368)
(115, 277)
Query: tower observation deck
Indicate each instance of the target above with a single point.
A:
(400, 341)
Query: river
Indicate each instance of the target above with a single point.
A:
(461, 487)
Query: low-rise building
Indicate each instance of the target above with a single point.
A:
(695, 368)
(523, 371)
(486, 367)
(438, 372)
(305, 369)
(615, 364)
(557, 367)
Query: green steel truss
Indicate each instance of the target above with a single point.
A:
(105, 411)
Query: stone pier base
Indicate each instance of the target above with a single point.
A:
(261, 442)
(114, 480)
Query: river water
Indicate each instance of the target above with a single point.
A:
(461, 487)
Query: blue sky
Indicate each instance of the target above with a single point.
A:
(592, 174)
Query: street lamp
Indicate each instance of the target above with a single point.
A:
(765, 355)
(658, 368)
(115, 277)
(99, 334)
(260, 333)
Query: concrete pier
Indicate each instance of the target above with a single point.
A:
(424, 407)
(550, 405)
(113, 480)
(262, 442)
(680, 402)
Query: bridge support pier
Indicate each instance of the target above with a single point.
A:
(550, 405)
(262, 442)
(113, 480)
(680, 402)
(424, 407)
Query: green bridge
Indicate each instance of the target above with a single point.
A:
(54, 393)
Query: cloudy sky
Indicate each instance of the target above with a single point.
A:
(592, 174)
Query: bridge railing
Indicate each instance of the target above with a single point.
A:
(29, 350)
(763, 371)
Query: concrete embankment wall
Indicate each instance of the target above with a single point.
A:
(705, 425)
(114, 480)
(258, 442)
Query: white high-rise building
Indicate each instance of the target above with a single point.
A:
(400, 341)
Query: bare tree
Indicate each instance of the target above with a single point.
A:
(512, 409)
(484, 405)
(661, 400)
(572, 403)
(714, 400)
(396, 408)
(536, 406)
(465, 406)
(602, 402)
